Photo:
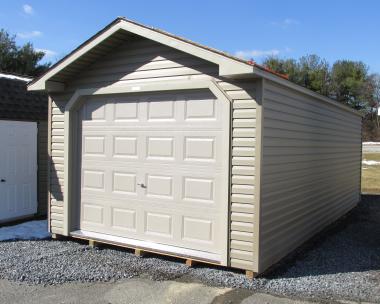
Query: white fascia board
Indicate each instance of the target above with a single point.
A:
(227, 66)
(41, 83)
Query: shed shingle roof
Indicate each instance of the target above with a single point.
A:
(16, 103)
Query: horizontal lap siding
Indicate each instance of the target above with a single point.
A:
(147, 61)
(57, 161)
(310, 169)
(242, 172)
(143, 61)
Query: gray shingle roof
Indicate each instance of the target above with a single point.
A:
(16, 103)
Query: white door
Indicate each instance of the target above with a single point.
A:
(155, 168)
(18, 169)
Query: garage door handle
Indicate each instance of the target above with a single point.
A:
(3, 180)
(142, 185)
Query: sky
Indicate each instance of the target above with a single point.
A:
(333, 29)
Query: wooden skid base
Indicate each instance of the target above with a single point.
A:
(190, 262)
(141, 251)
(93, 243)
(250, 274)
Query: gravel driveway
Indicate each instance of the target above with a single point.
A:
(340, 263)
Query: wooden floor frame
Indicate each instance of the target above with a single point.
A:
(140, 252)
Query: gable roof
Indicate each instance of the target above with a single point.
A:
(121, 30)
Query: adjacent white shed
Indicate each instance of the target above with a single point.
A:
(23, 149)
(162, 144)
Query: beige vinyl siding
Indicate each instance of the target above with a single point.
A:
(56, 166)
(310, 169)
(243, 94)
(143, 61)
(42, 176)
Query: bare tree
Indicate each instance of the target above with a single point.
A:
(376, 97)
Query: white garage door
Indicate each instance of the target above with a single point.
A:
(155, 168)
(18, 169)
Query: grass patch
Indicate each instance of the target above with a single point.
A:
(371, 174)
(371, 156)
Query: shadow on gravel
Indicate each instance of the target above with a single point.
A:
(352, 244)
(341, 262)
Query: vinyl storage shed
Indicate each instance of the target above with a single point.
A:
(163, 144)
(23, 149)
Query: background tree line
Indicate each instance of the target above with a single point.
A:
(23, 60)
(347, 81)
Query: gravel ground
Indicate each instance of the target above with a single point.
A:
(343, 262)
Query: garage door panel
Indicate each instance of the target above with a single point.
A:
(199, 148)
(160, 224)
(201, 109)
(157, 111)
(126, 112)
(94, 111)
(154, 168)
(94, 145)
(93, 180)
(197, 230)
(163, 183)
(151, 166)
(159, 125)
(185, 206)
(111, 215)
(159, 147)
(125, 183)
(196, 189)
(162, 111)
(125, 146)
(159, 186)
(124, 219)
(92, 214)
(200, 231)
(182, 150)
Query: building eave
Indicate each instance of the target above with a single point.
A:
(229, 66)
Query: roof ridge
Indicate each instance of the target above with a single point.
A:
(223, 53)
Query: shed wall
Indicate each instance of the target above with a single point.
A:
(143, 61)
(16, 103)
(42, 161)
(310, 171)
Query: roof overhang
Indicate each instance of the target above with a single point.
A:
(229, 66)
(120, 31)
